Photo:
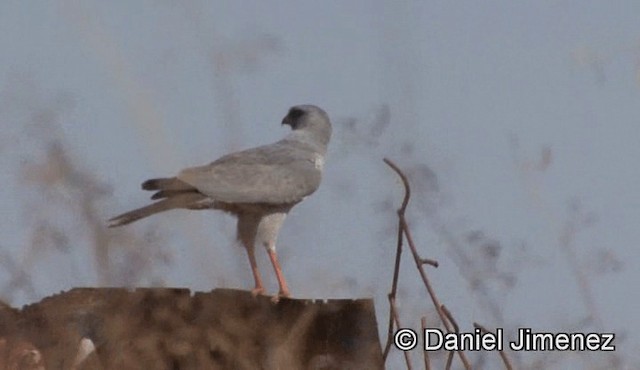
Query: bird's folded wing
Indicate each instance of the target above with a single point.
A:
(273, 174)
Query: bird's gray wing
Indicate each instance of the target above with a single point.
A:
(280, 173)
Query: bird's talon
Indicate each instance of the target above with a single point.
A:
(276, 298)
(257, 291)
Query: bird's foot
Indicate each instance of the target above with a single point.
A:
(281, 294)
(257, 291)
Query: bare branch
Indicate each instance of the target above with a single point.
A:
(503, 355)
(427, 362)
(419, 261)
(396, 319)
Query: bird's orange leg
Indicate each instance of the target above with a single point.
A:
(259, 289)
(284, 290)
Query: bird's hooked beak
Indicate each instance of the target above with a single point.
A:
(287, 120)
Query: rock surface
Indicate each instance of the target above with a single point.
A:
(167, 328)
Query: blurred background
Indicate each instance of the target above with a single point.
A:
(517, 124)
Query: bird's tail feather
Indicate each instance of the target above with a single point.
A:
(169, 183)
(184, 200)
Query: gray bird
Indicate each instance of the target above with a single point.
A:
(259, 186)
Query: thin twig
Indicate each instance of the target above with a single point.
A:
(423, 273)
(396, 269)
(394, 289)
(427, 362)
(418, 260)
(449, 360)
(405, 182)
(396, 319)
(449, 316)
(428, 261)
(405, 230)
(503, 354)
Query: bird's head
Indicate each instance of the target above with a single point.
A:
(309, 118)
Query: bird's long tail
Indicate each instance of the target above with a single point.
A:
(181, 200)
(168, 183)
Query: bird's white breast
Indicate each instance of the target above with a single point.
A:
(318, 161)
